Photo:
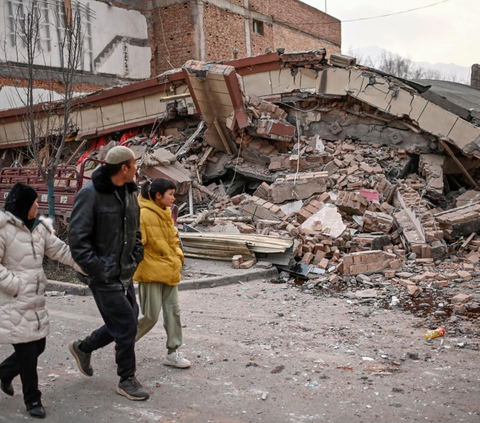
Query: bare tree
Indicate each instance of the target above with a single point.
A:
(402, 67)
(47, 123)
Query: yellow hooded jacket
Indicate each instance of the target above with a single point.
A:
(163, 257)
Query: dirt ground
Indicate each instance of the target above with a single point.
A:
(264, 352)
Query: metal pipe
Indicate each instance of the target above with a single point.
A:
(190, 199)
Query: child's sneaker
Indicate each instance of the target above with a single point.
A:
(176, 359)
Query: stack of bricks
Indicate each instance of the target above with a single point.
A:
(377, 222)
(261, 108)
(315, 252)
(353, 170)
(367, 261)
(259, 208)
(351, 203)
(306, 59)
(304, 163)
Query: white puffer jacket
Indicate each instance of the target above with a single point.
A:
(23, 312)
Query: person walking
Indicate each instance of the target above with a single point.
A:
(24, 322)
(159, 273)
(105, 240)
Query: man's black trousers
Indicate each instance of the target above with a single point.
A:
(119, 311)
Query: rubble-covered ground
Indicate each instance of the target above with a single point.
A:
(267, 352)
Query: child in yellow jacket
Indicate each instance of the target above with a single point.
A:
(160, 271)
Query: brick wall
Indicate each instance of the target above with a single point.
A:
(299, 15)
(224, 31)
(293, 40)
(260, 42)
(175, 44)
(49, 85)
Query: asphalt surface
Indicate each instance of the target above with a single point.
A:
(262, 352)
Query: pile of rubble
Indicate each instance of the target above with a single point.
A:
(319, 185)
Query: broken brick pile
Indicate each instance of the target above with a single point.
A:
(387, 206)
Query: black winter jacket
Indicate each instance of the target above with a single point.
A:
(104, 233)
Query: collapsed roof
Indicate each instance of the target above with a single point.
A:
(416, 115)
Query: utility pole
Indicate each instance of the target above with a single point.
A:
(325, 6)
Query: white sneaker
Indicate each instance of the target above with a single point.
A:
(176, 359)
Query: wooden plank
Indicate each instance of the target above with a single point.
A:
(222, 137)
(464, 171)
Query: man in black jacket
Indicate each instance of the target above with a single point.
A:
(105, 240)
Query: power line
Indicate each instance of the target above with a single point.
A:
(336, 21)
(396, 13)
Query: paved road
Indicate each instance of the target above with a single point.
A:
(262, 353)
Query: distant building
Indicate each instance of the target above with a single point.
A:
(475, 81)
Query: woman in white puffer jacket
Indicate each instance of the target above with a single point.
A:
(24, 322)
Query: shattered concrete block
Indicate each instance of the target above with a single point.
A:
(431, 166)
(327, 221)
(299, 188)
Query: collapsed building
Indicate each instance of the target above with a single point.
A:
(326, 169)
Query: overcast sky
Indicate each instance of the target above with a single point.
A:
(445, 33)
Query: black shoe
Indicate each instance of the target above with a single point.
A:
(7, 388)
(36, 410)
(132, 389)
(83, 359)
